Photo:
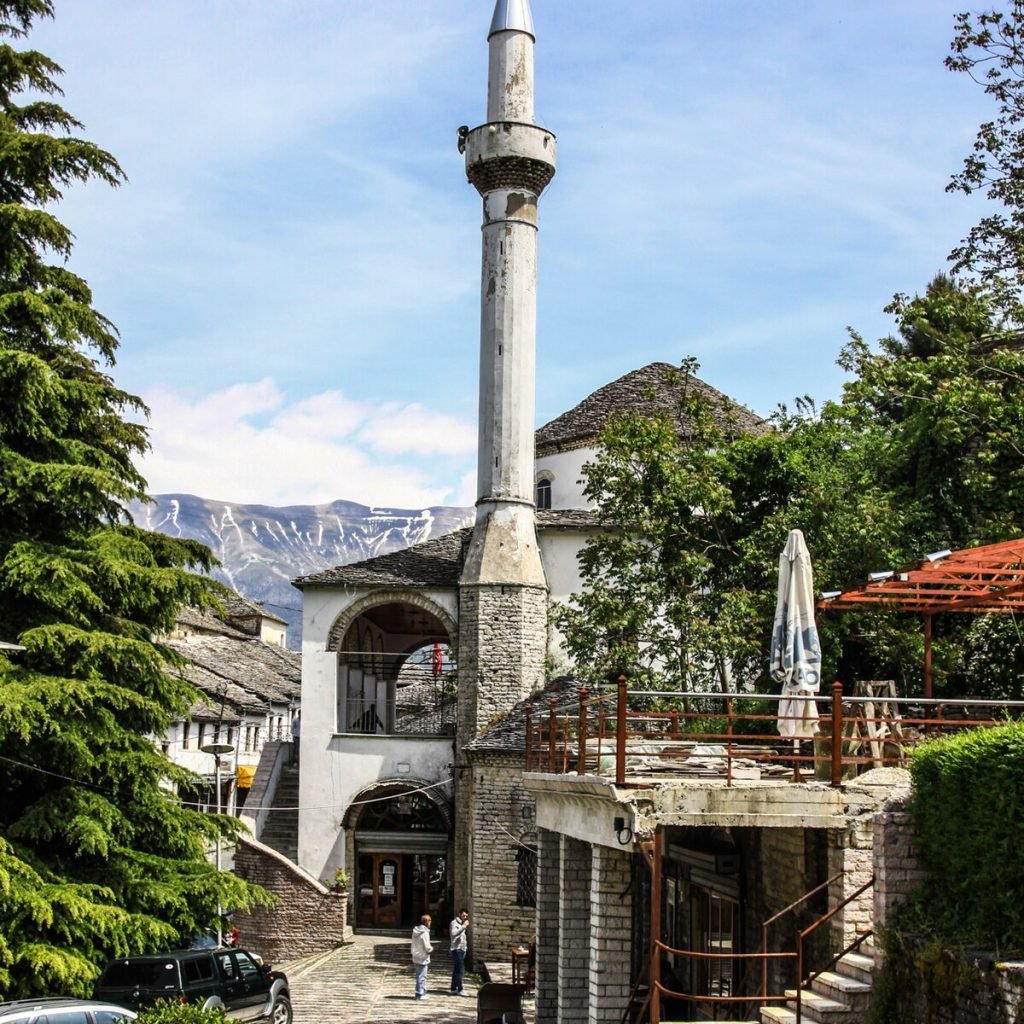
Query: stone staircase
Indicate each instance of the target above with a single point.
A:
(281, 831)
(839, 996)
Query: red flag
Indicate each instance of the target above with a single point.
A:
(437, 661)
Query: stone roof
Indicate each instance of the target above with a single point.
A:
(509, 735)
(566, 519)
(204, 622)
(238, 607)
(657, 386)
(244, 672)
(434, 563)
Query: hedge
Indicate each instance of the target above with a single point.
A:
(968, 813)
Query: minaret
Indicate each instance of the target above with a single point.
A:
(503, 593)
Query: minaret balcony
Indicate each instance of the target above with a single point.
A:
(509, 155)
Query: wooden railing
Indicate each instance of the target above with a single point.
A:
(633, 734)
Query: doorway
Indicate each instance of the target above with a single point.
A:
(396, 889)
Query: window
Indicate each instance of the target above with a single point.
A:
(198, 970)
(543, 494)
(526, 876)
(249, 968)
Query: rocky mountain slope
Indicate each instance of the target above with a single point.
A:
(261, 548)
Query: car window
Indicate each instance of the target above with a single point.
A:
(141, 973)
(68, 1017)
(109, 1017)
(249, 968)
(228, 970)
(200, 969)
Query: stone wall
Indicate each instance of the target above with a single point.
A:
(897, 872)
(945, 986)
(498, 833)
(307, 918)
(503, 634)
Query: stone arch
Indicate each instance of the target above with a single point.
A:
(341, 624)
(393, 788)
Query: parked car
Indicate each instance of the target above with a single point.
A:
(234, 980)
(61, 1010)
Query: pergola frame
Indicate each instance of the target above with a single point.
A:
(977, 581)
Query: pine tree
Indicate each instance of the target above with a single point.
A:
(97, 856)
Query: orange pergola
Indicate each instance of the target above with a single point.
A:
(982, 580)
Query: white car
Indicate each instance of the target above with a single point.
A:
(61, 1010)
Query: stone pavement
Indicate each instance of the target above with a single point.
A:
(370, 981)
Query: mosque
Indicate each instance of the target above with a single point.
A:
(420, 669)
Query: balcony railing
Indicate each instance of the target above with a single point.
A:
(644, 735)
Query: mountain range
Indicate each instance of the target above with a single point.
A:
(262, 548)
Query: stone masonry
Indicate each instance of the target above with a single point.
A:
(574, 932)
(502, 646)
(499, 832)
(308, 918)
(611, 910)
(548, 906)
(897, 871)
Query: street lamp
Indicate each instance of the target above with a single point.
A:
(217, 749)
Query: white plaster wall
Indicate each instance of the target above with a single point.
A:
(331, 778)
(335, 768)
(559, 552)
(566, 469)
(322, 606)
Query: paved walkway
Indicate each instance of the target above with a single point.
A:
(371, 981)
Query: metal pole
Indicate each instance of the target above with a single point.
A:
(620, 733)
(220, 922)
(837, 733)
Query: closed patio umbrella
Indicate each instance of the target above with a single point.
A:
(795, 660)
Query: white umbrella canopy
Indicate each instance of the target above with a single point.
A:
(795, 660)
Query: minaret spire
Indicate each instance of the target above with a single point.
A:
(510, 160)
(503, 596)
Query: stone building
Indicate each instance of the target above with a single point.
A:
(250, 685)
(440, 763)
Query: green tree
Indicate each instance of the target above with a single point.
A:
(97, 856)
(651, 603)
(922, 452)
(988, 46)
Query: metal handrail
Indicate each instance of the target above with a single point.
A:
(785, 910)
(801, 935)
(566, 734)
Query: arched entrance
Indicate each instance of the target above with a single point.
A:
(401, 855)
(396, 666)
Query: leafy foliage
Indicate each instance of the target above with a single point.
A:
(173, 1011)
(989, 47)
(652, 604)
(923, 452)
(968, 813)
(97, 857)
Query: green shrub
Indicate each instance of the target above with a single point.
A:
(968, 812)
(173, 1011)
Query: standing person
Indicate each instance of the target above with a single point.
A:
(421, 950)
(296, 729)
(459, 927)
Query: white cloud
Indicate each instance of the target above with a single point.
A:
(250, 443)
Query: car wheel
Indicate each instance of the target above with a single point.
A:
(282, 1011)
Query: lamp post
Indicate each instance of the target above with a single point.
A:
(217, 749)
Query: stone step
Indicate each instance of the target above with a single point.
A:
(777, 1015)
(857, 965)
(815, 1007)
(841, 988)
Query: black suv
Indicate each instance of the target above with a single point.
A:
(231, 979)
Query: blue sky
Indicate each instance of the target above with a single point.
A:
(294, 263)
